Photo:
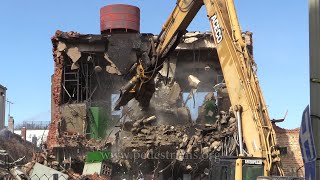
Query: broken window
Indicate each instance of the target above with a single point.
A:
(283, 151)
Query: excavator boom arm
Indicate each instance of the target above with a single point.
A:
(237, 66)
(176, 25)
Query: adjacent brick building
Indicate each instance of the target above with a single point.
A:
(288, 140)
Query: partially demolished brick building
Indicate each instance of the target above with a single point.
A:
(90, 69)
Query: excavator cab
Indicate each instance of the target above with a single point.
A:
(279, 178)
(230, 168)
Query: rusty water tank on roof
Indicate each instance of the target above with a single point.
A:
(119, 18)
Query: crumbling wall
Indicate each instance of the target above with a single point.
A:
(93, 63)
(291, 158)
(56, 92)
(100, 51)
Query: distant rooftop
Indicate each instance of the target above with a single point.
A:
(2, 87)
(33, 125)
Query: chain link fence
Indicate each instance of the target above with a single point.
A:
(52, 177)
(38, 177)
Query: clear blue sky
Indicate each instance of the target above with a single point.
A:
(280, 47)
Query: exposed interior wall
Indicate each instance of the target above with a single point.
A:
(86, 69)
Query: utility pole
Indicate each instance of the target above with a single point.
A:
(9, 104)
(314, 45)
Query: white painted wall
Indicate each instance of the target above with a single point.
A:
(40, 134)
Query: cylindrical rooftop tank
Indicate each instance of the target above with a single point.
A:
(119, 18)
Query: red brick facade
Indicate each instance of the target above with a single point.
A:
(52, 139)
(288, 140)
(56, 87)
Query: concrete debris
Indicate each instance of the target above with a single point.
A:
(205, 150)
(215, 145)
(74, 54)
(196, 40)
(193, 81)
(175, 93)
(206, 138)
(169, 68)
(39, 171)
(169, 130)
(72, 139)
(189, 168)
(61, 47)
(112, 68)
(180, 154)
(100, 169)
(75, 66)
(183, 114)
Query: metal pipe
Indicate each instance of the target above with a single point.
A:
(237, 109)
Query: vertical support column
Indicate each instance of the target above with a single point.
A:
(2, 106)
(314, 40)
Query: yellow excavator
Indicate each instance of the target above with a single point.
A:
(262, 156)
(244, 91)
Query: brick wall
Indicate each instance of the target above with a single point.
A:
(52, 140)
(59, 53)
(288, 140)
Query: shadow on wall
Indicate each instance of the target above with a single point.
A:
(288, 140)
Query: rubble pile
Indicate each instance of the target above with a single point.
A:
(16, 146)
(166, 104)
(184, 141)
(70, 139)
(192, 137)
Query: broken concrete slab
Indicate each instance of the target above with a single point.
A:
(75, 66)
(61, 46)
(74, 54)
(184, 115)
(193, 81)
(74, 118)
(169, 68)
(40, 171)
(112, 70)
(175, 93)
